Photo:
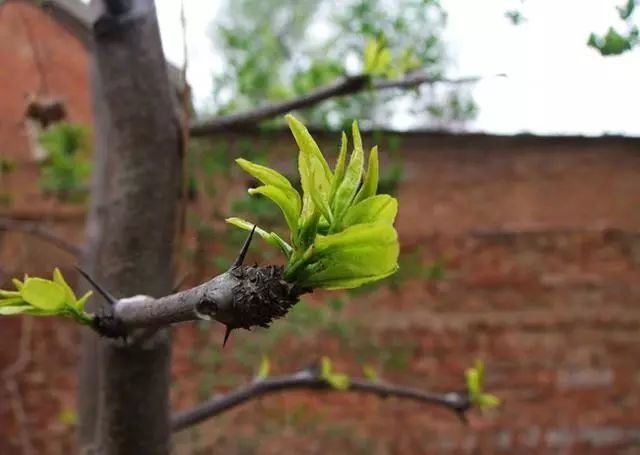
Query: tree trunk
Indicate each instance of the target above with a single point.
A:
(124, 389)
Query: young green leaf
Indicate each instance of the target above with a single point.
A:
(370, 55)
(337, 381)
(14, 309)
(338, 173)
(270, 237)
(284, 200)
(315, 175)
(349, 185)
(383, 62)
(17, 283)
(307, 144)
(320, 202)
(377, 209)
(70, 297)
(265, 366)
(360, 254)
(82, 301)
(266, 175)
(270, 177)
(8, 294)
(370, 373)
(370, 184)
(43, 294)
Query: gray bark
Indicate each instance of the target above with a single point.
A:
(123, 403)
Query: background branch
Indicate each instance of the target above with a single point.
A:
(37, 230)
(346, 86)
(310, 379)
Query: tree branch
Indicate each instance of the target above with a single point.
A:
(341, 87)
(36, 229)
(346, 86)
(309, 379)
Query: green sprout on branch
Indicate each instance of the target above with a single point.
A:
(475, 385)
(40, 297)
(341, 232)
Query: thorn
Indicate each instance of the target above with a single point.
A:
(227, 332)
(180, 282)
(103, 292)
(245, 248)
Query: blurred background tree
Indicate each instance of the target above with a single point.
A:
(277, 50)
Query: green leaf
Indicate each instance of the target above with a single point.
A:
(325, 366)
(12, 301)
(377, 209)
(270, 237)
(43, 294)
(270, 177)
(370, 373)
(69, 294)
(349, 185)
(338, 173)
(370, 184)
(473, 385)
(17, 283)
(370, 55)
(338, 381)
(14, 309)
(284, 200)
(311, 165)
(82, 301)
(265, 366)
(383, 62)
(320, 202)
(308, 231)
(360, 254)
(9, 294)
(266, 175)
(488, 401)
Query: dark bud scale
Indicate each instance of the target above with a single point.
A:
(260, 296)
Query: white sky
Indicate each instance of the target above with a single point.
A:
(555, 83)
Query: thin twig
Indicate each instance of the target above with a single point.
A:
(342, 87)
(310, 380)
(37, 230)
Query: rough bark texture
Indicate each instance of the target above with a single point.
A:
(131, 229)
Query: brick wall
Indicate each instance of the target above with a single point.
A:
(38, 57)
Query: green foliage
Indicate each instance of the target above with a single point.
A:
(338, 381)
(614, 42)
(341, 232)
(475, 383)
(273, 50)
(40, 297)
(66, 168)
(265, 367)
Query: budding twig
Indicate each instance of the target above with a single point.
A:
(310, 379)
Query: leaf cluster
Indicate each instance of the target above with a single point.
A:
(341, 231)
(41, 297)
